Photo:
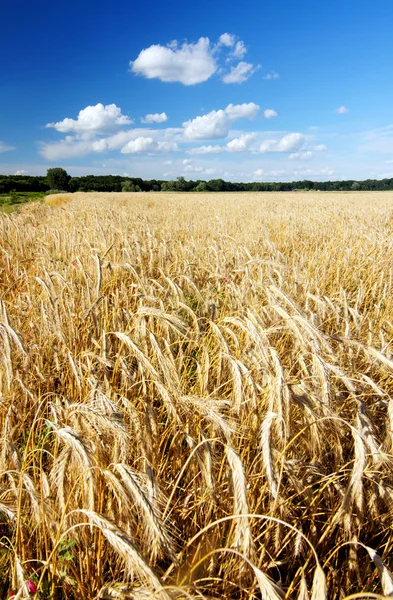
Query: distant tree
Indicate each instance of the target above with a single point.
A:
(58, 179)
(355, 186)
(216, 185)
(128, 186)
(169, 186)
(201, 187)
(181, 184)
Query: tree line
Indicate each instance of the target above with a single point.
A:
(58, 179)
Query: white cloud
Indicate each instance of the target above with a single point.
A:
(155, 118)
(164, 147)
(320, 148)
(22, 172)
(242, 111)
(301, 155)
(141, 144)
(240, 73)
(5, 148)
(188, 64)
(217, 123)
(93, 120)
(67, 148)
(241, 144)
(271, 75)
(74, 146)
(258, 173)
(227, 39)
(240, 50)
(206, 150)
(147, 144)
(192, 63)
(342, 110)
(289, 143)
(168, 162)
(100, 146)
(269, 113)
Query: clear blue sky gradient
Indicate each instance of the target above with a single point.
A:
(57, 58)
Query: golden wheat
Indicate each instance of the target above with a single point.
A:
(196, 396)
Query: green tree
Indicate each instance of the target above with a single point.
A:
(58, 179)
(168, 186)
(181, 184)
(128, 186)
(201, 187)
(216, 185)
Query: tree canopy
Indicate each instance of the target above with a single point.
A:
(58, 179)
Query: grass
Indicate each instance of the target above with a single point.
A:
(196, 396)
(13, 200)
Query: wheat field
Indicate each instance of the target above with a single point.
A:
(196, 396)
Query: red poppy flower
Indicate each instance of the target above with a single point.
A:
(31, 587)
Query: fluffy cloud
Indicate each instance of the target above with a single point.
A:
(240, 50)
(271, 75)
(192, 63)
(5, 148)
(100, 146)
(301, 155)
(227, 39)
(240, 73)
(230, 40)
(188, 64)
(141, 144)
(241, 144)
(242, 111)
(147, 144)
(269, 113)
(155, 118)
(289, 143)
(22, 172)
(341, 110)
(217, 123)
(73, 146)
(320, 148)
(93, 120)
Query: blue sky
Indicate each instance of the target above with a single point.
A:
(244, 91)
